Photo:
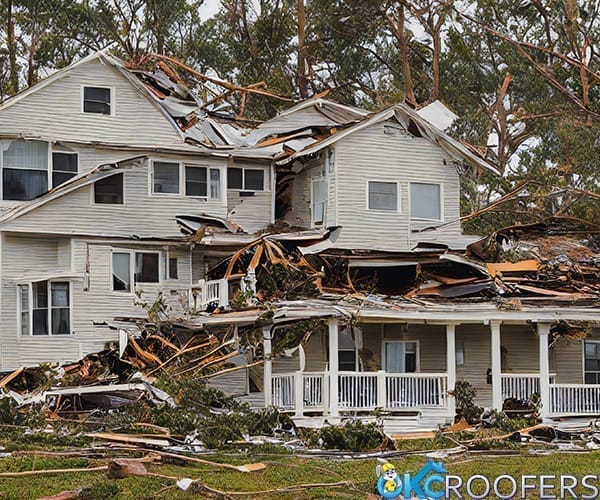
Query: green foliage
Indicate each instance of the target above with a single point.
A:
(100, 490)
(353, 435)
(464, 394)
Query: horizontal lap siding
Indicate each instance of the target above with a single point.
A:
(142, 215)
(477, 349)
(252, 213)
(54, 111)
(299, 215)
(370, 154)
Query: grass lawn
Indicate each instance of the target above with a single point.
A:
(282, 471)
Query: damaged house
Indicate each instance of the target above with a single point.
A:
(340, 228)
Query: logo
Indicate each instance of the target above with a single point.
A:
(427, 483)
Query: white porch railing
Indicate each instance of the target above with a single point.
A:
(209, 292)
(521, 385)
(575, 399)
(410, 390)
(359, 391)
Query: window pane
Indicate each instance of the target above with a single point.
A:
(60, 321)
(215, 184)
(40, 321)
(59, 178)
(254, 179)
(96, 100)
(64, 162)
(60, 294)
(18, 184)
(40, 294)
(166, 177)
(195, 181)
(234, 178)
(425, 201)
(24, 308)
(109, 190)
(173, 268)
(383, 196)
(411, 362)
(121, 272)
(346, 361)
(590, 349)
(146, 267)
(26, 154)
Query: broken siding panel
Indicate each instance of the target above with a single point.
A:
(300, 214)
(54, 111)
(253, 212)
(142, 214)
(373, 155)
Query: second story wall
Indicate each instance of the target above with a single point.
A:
(374, 170)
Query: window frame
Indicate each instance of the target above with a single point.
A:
(354, 350)
(132, 253)
(29, 285)
(112, 99)
(325, 202)
(52, 170)
(404, 341)
(583, 358)
(244, 188)
(182, 183)
(48, 169)
(384, 210)
(168, 257)
(117, 205)
(441, 186)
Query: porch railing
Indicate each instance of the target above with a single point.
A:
(521, 385)
(574, 399)
(359, 391)
(209, 292)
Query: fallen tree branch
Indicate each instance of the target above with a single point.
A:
(53, 471)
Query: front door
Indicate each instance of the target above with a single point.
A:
(400, 356)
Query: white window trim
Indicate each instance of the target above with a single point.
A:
(382, 210)
(405, 341)
(312, 201)
(134, 283)
(441, 185)
(266, 184)
(29, 286)
(112, 99)
(167, 269)
(48, 171)
(583, 342)
(52, 148)
(112, 206)
(181, 193)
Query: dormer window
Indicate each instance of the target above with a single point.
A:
(98, 100)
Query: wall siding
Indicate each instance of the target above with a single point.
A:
(54, 111)
(371, 154)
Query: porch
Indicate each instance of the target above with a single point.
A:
(411, 369)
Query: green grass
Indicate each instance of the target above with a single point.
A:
(282, 471)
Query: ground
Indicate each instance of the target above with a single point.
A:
(282, 471)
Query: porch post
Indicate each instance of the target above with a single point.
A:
(333, 368)
(496, 366)
(451, 365)
(543, 330)
(267, 367)
(299, 383)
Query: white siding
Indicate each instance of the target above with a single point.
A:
(371, 154)
(92, 300)
(54, 111)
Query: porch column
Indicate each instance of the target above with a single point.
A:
(496, 366)
(451, 365)
(299, 383)
(333, 368)
(543, 330)
(267, 367)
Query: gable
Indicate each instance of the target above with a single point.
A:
(54, 111)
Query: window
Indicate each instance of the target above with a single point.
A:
(400, 357)
(165, 177)
(346, 350)
(97, 100)
(172, 268)
(459, 350)
(383, 196)
(592, 362)
(425, 201)
(24, 169)
(246, 179)
(145, 269)
(64, 166)
(109, 190)
(319, 202)
(45, 308)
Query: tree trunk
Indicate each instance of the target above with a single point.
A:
(405, 55)
(12, 51)
(301, 77)
(437, 51)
